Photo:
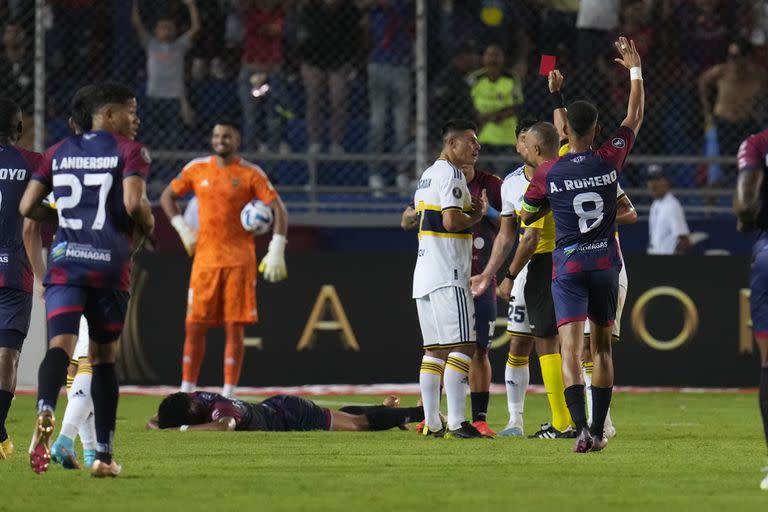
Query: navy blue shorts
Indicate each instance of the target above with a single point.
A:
(15, 314)
(759, 286)
(590, 294)
(485, 317)
(104, 309)
(297, 414)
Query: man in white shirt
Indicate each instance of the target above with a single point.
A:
(667, 229)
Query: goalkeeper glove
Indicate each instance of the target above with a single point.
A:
(273, 265)
(186, 233)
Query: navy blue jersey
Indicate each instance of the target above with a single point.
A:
(246, 415)
(753, 157)
(93, 243)
(16, 168)
(581, 191)
(484, 232)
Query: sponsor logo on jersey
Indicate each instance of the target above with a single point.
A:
(618, 143)
(597, 245)
(457, 193)
(424, 183)
(13, 174)
(145, 155)
(80, 252)
(4, 258)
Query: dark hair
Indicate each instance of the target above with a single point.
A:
(457, 125)
(547, 136)
(105, 93)
(10, 116)
(226, 122)
(582, 115)
(175, 410)
(524, 125)
(79, 109)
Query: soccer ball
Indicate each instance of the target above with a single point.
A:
(256, 217)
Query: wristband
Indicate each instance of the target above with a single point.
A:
(492, 213)
(510, 275)
(557, 99)
(183, 428)
(635, 73)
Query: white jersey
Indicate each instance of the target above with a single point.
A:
(512, 192)
(445, 259)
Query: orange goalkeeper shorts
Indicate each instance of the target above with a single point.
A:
(222, 295)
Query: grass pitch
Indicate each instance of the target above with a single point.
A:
(673, 452)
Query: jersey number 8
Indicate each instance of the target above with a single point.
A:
(588, 219)
(71, 181)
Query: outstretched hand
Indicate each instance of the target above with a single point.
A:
(629, 56)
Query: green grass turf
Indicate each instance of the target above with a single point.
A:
(673, 452)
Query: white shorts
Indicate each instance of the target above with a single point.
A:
(623, 285)
(518, 323)
(81, 349)
(447, 318)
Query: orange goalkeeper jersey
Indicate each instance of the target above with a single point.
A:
(221, 192)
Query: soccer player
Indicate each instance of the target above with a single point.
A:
(488, 185)
(527, 284)
(447, 213)
(222, 287)
(98, 182)
(752, 214)
(16, 168)
(78, 415)
(580, 190)
(625, 214)
(209, 411)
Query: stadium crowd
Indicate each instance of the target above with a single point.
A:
(324, 75)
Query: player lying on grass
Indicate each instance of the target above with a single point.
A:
(281, 413)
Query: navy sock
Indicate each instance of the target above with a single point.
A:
(574, 399)
(480, 405)
(601, 402)
(50, 377)
(105, 393)
(764, 399)
(6, 397)
(384, 418)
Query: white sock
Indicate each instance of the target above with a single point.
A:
(456, 381)
(517, 375)
(430, 375)
(229, 391)
(79, 404)
(187, 387)
(88, 432)
(586, 371)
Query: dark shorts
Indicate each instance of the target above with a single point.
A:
(104, 309)
(590, 294)
(15, 314)
(538, 296)
(759, 286)
(485, 317)
(294, 413)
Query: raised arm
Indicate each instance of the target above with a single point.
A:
(138, 26)
(630, 59)
(194, 19)
(559, 112)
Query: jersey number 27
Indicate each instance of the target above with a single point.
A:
(71, 181)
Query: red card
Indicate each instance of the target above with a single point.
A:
(547, 64)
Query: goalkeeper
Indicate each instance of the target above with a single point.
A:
(222, 287)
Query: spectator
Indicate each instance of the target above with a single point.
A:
(667, 229)
(558, 24)
(706, 29)
(497, 95)
(166, 102)
(740, 85)
(330, 36)
(17, 77)
(260, 74)
(389, 78)
(595, 21)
